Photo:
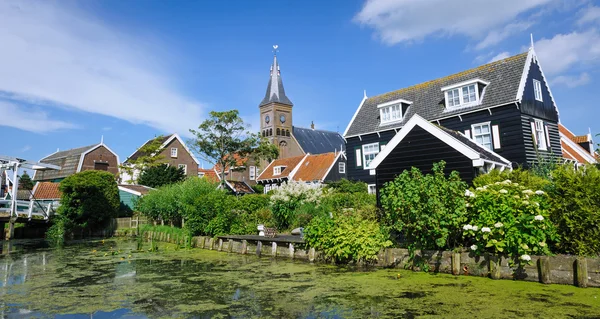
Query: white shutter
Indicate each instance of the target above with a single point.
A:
(547, 136)
(358, 157)
(468, 133)
(496, 136)
(533, 133)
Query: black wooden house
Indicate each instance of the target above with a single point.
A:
(504, 106)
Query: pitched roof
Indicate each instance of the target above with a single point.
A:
(208, 173)
(275, 92)
(135, 189)
(318, 141)
(290, 163)
(504, 77)
(67, 160)
(239, 187)
(466, 146)
(46, 190)
(139, 152)
(571, 150)
(315, 167)
(239, 162)
(580, 139)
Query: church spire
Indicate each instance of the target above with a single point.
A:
(275, 92)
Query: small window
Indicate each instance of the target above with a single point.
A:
(482, 134)
(537, 90)
(267, 188)
(278, 169)
(369, 151)
(174, 152)
(184, 167)
(453, 97)
(342, 167)
(464, 94)
(372, 189)
(101, 166)
(200, 174)
(540, 135)
(252, 173)
(468, 94)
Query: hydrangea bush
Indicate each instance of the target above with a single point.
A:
(289, 197)
(508, 219)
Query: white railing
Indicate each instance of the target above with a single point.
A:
(29, 208)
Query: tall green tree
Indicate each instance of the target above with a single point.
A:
(148, 156)
(223, 138)
(163, 174)
(25, 182)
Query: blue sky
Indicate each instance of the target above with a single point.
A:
(73, 71)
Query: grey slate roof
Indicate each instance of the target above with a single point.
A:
(68, 161)
(318, 141)
(428, 99)
(485, 153)
(139, 153)
(275, 92)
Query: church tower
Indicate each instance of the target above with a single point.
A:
(276, 113)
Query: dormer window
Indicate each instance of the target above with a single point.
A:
(393, 111)
(464, 94)
(278, 169)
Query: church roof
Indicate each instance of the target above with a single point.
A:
(275, 92)
(318, 141)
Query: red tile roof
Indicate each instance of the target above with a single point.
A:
(315, 167)
(209, 174)
(240, 187)
(572, 151)
(289, 163)
(580, 139)
(239, 161)
(46, 190)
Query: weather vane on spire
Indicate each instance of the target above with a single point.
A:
(275, 47)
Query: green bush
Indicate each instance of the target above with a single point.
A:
(258, 189)
(360, 203)
(429, 210)
(575, 209)
(508, 219)
(346, 237)
(161, 175)
(346, 186)
(89, 199)
(521, 176)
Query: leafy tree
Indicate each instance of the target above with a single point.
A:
(148, 156)
(223, 139)
(25, 182)
(89, 199)
(156, 176)
(347, 186)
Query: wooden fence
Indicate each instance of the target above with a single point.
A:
(129, 222)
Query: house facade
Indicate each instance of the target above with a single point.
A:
(505, 106)
(93, 157)
(173, 151)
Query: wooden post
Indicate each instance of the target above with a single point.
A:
(274, 249)
(230, 245)
(202, 241)
(291, 248)
(220, 245)
(211, 243)
(456, 264)
(544, 269)
(494, 266)
(581, 271)
(244, 247)
(11, 230)
(311, 254)
(259, 248)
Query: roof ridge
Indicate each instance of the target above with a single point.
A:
(315, 129)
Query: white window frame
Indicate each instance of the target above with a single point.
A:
(252, 173)
(278, 169)
(475, 134)
(537, 90)
(342, 167)
(451, 90)
(391, 112)
(540, 135)
(184, 166)
(372, 188)
(365, 154)
(174, 152)
(267, 188)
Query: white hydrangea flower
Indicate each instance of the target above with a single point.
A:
(525, 202)
(539, 192)
(485, 230)
(475, 228)
(498, 225)
(539, 217)
(503, 191)
(507, 182)
(467, 227)
(528, 192)
(468, 193)
(480, 189)
(473, 247)
(525, 257)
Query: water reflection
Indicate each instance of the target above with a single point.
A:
(111, 280)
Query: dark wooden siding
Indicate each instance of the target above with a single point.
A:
(542, 110)
(508, 119)
(532, 154)
(359, 173)
(334, 173)
(420, 149)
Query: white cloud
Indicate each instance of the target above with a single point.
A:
(32, 120)
(58, 55)
(564, 52)
(496, 36)
(572, 81)
(499, 56)
(397, 21)
(590, 14)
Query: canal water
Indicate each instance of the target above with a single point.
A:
(111, 279)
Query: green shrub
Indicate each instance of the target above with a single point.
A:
(575, 209)
(161, 175)
(429, 210)
(363, 204)
(521, 176)
(89, 199)
(346, 237)
(346, 186)
(508, 219)
(259, 189)
(289, 197)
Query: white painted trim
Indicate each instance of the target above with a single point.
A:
(362, 149)
(530, 56)
(266, 169)
(355, 113)
(80, 165)
(577, 148)
(295, 170)
(176, 136)
(394, 102)
(121, 188)
(537, 85)
(464, 83)
(496, 137)
(489, 124)
(417, 120)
